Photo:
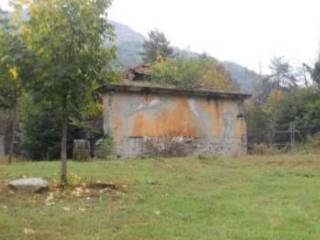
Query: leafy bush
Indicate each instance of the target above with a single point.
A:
(191, 72)
(104, 147)
(301, 106)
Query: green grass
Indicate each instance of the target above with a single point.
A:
(253, 197)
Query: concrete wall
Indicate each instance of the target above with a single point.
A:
(203, 125)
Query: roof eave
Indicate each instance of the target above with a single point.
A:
(173, 91)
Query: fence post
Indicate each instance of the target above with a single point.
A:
(292, 129)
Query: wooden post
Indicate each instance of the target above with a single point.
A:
(292, 129)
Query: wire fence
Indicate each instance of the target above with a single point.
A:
(284, 136)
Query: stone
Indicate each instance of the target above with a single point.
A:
(35, 185)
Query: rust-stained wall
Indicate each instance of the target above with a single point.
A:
(215, 126)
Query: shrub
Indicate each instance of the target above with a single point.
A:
(302, 107)
(191, 72)
(104, 147)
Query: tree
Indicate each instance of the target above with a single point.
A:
(315, 73)
(15, 66)
(157, 46)
(282, 73)
(259, 124)
(68, 38)
(301, 106)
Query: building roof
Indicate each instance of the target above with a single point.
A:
(141, 69)
(173, 91)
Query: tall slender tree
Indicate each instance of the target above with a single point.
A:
(282, 73)
(157, 46)
(69, 39)
(315, 73)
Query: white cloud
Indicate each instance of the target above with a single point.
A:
(244, 31)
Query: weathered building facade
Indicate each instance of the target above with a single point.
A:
(142, 119)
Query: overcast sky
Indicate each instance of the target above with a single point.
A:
(243, 31)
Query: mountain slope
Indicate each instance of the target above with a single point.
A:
(245, 78)
(129, 45)
(126, 34)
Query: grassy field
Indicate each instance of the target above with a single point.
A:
(253, 197)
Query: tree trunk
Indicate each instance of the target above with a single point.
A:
(64, 179)
(13, 134)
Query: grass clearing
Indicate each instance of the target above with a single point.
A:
(251, 197)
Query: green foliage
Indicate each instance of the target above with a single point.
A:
(301, 106)
(280, 100)
(68, 40)
(259, 124)
(157, 46)
(15, 66)
(40, 130)
(315, 73)
(40, 123)
(104, 147)
(191, 72)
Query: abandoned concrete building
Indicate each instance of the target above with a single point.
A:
(148, 120)
(143, 120)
